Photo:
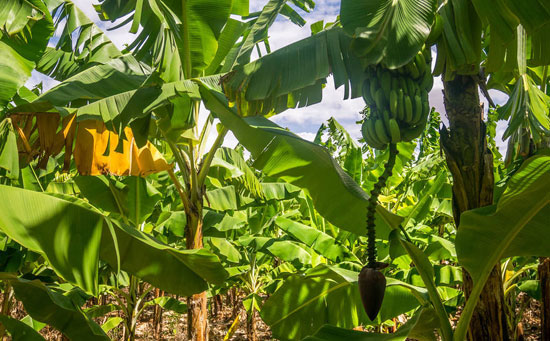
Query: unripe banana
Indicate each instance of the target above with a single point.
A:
(381, 132)
(368, 135)
(420, 63)
(413, 70)
(385, 82)
(400, 105)
(408, 109)
(427, 53)
(386, 119)
(394, 83)
(380, 99)
(373, 87)
(393, 102)
(366, 93)
(427, 81)
(371, 130)
(410, 134)
(411, 86)
(403, 85)
(417, 110)
(394, 131)
(435, 32)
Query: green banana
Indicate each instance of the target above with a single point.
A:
(413, 70)
(408, 109)
(369, 136)
(411, 86)
(410, 134)
(403, 85)
(381, 132)
(373, 87)
(420, 63)
(393, 102)
(427, 81)
(400, 106)
(374, 136)
(435, 32)
(394, 131)
(394, 83)
(386, 120)
(385, 82)
(366, 93)
(427, 53)
(380, 99)
(417, 110)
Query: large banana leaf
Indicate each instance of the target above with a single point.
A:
(74, 237)
(516, 226)
(9, 156)
(293, 76)
(279, 153)
(317, 240)
(80, 44)
(27, 27)
(389, 30)
(419, 327)
(133, 197)
(191, 31)
(286, 250)
(18, 330)
(236, 170)
(55, 309)
(503, 16)
(330, 295)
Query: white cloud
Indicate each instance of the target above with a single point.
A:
(307, 136)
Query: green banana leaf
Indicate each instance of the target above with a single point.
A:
(330, 295)
(281, 154)
(55, 309)
(419, 327)
(237, 170)
(293, 76)
(133, 197)
(26, 29)
(76, 29)
(73, 237)
(286, 250)
(317, 240)
(18, 330)
(516, 226)
(9, 155)
(280, 191)
(388, 30)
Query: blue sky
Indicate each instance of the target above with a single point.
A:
(303, 121)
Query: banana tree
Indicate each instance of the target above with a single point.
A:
(205, 45)
(392, 33)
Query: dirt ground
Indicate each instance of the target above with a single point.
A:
(174, 325)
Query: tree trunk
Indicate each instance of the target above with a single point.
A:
(251, 328)
(544, 277)
(157, 316)
(471, 165)
(197, 309)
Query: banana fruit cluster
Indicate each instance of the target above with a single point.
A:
(398, 101)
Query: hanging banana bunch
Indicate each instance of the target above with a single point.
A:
(398, 111)
(398, 101)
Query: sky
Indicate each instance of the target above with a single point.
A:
(303, 121)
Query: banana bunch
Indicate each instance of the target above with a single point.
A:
(398, 101)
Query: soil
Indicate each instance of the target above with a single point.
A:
(174, 325)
